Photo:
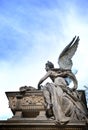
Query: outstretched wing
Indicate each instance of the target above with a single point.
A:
(64, 60)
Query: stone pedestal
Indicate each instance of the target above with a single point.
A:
(26, 124)
(29, 113)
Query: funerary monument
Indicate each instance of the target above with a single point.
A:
(53, 106)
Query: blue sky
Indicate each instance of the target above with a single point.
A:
(34, 31)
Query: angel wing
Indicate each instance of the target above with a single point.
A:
(64, 60)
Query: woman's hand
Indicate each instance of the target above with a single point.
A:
(39, 87)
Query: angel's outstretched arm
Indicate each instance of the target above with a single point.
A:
(43, 78)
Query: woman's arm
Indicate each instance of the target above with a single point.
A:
(73, 78)
(43, 78)
(68, 73)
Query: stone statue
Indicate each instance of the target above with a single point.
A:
(63, 103)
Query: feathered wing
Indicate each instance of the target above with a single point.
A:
(64, 60)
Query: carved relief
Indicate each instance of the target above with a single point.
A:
(12, 102)
(27, 102)
(33, 100)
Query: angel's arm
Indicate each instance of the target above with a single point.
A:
(68, 73)
(73, 78)
(43, 78)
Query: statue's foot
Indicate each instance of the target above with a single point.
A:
(49, 106)
(49, 113)
(63, 121)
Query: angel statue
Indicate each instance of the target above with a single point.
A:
(62, 103)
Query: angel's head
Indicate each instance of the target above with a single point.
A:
(49, 65)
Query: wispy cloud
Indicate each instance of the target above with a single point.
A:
(32, 32)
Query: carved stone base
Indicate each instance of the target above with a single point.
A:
(29, 113)
(25, 124)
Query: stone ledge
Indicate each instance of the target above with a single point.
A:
(26, 121)
(26, 124)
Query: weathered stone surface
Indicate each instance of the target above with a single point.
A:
(26, 124)
(29, 103)
(56, 106)
(29, 113)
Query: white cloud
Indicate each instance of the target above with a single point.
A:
(52, 32)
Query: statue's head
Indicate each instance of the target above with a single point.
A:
(49, 65)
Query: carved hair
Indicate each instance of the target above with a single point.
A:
(50, 64)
